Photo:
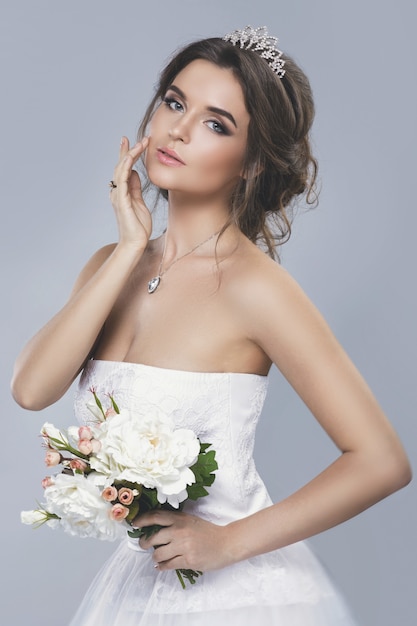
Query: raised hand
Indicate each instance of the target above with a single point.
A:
(185, 541)
(133, 216)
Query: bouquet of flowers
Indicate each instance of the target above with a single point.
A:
(118, 467)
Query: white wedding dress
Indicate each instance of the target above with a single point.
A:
(287, 587)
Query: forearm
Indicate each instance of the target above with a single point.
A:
(53, 357)
(348, 486)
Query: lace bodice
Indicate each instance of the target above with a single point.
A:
(221, 408)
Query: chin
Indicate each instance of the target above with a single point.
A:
(165, 179)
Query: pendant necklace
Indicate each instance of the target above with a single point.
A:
(153, 284)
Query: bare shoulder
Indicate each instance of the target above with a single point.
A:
(93, 265)
(255, 279)
(277, 314)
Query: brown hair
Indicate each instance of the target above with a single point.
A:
(279, 166)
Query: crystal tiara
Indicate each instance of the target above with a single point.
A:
(258, 40)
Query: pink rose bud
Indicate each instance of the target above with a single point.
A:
(78, 465)
(118, 512)
(47, 482)
(109, 494)
(110, 412)
(125, 495)
(52, 458)
(95, 446)
(84, 432)
(85, 446)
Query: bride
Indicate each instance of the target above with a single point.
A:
(194, 320)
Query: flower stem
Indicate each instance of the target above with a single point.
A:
(189, 574)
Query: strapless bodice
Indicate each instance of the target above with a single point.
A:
(221, 408)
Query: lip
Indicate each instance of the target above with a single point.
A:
(169, 157)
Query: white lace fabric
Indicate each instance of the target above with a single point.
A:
(287, 587)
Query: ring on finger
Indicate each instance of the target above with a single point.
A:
(112, 185)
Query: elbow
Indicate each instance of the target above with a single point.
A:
(382, 472)
(33, 394)
(403, 474)
(24, 397)
(24, 400)
(396, 471)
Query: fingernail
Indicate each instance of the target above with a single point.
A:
(122, 140)
(155, 565)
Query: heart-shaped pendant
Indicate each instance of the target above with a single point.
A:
(153, 284)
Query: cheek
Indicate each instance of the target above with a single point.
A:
(226, 161)
(158, 123)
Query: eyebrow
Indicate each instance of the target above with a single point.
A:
(210, 108)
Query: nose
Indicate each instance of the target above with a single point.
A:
(179, 130)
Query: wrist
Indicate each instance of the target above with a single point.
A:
(130, 250)
(235, 542)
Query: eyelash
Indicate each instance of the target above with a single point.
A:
(170, 101)
(222, 130)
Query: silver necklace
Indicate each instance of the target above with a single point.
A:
(153, 284)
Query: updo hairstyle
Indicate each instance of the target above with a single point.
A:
(279, 166)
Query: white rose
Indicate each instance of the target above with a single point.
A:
(146, 450)
(38, 517)
(33, 517)
(72, 433)
(77, 501)
(92, 406)
(50, 431)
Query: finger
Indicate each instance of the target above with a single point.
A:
(165, 554)
(145, 519)
(125, 152)
(176, 562)
(124, 147)
(124, 169)
(160, 538)
(163, 518)
(149, 541)
(154, 541)
(137, 150)
(135, 187)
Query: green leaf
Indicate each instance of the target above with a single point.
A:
(130, 485)
(203, 470)
(150, 499)
(100, 406)
(146, 531)
(114, 405)
(196, 491)
(133, 511)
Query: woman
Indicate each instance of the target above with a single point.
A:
(192, 321)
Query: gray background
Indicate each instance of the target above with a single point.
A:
(75, 77)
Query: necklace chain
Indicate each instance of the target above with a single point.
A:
(153, 284)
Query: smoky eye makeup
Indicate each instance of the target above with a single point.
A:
(172, 103)
(218, 127)
(172, 98)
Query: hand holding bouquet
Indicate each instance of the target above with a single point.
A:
(120, 466)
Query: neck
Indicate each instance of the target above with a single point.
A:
(191, 222)
(192, 228)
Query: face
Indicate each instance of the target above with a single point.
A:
(198, 133)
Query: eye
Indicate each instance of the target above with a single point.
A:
(173, 104)
(217, 127)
